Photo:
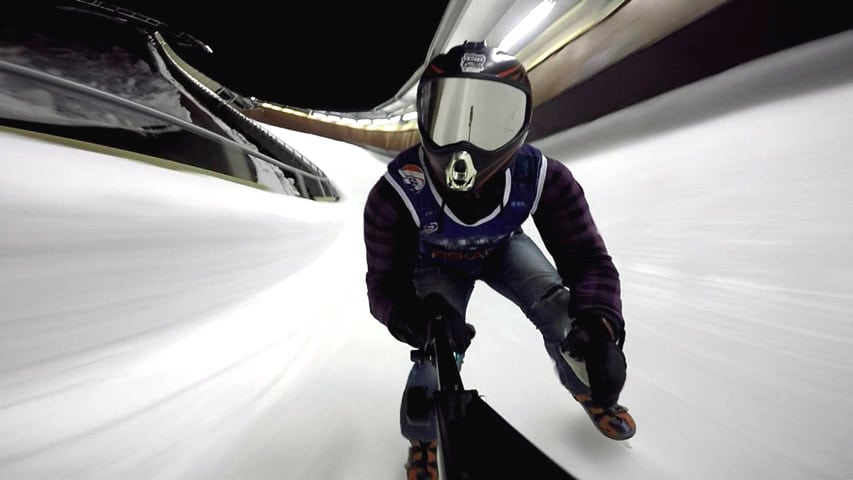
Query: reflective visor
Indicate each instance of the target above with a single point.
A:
(485, 113)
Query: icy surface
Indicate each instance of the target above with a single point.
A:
(163, 325)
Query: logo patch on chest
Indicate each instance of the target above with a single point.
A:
(430, 227)
(413, 177)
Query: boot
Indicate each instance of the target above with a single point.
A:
(423, 461)
(614, 422)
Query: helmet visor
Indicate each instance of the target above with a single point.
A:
(486, 113)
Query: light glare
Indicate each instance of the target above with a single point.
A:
(526, 25)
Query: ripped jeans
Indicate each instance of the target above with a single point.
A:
(521, 273)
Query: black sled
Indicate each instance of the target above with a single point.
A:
(475, 442)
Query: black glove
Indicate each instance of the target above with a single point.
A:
(460, 334)
(592, 340)
(411, 322)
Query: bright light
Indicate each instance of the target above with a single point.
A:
(526, 25)
(410, 116)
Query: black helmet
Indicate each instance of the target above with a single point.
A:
(474, 107)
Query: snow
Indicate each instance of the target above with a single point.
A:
(159, 324)
(109, 69)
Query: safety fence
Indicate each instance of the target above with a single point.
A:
(107, 114)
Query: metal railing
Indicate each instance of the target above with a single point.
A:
(165, 118)
(240, 122)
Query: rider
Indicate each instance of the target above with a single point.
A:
(449, 211)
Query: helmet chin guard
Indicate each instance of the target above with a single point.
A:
(460, 172)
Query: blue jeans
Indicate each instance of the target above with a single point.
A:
(520, 272)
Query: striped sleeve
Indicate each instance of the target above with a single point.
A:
(390, 239)
(570, 235)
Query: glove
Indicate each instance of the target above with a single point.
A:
(460, 334)
(411, 322)
(592, 340)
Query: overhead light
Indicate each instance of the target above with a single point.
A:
(526, 25)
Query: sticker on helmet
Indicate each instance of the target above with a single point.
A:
(473, 62)
(413, 177)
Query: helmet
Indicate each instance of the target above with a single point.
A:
(474, 108)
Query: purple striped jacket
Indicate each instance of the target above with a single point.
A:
(562, 218)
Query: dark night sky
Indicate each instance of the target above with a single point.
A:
(344, 56)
